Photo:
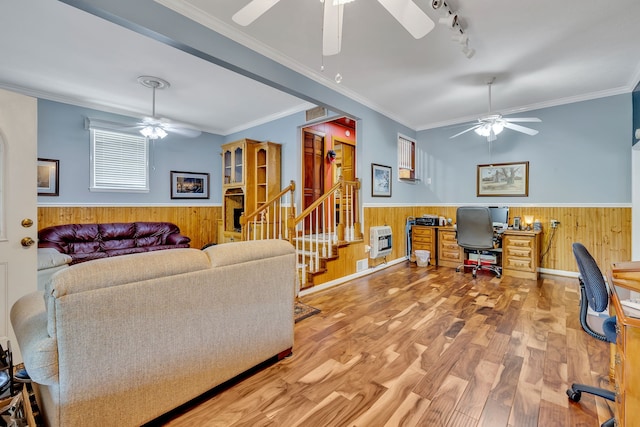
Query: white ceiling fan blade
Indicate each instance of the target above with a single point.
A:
(466, 130)
(179, 128)
(410, 16)
(521, 119)
(184, 131)
(519, 128)
(332, 28)
(252, 11)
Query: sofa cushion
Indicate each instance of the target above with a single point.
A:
(115, 271)
(107, 245)
(238, 252)
(51, 258)
(116, 230)
(119, 270)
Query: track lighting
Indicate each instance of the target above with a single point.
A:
(452, 21)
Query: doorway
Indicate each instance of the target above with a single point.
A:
(329, 151)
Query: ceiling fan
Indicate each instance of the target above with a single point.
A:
(158, 127)
(406, 12)
(493, 123)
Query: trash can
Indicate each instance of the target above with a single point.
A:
(422, 257)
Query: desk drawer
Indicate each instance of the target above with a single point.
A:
(518, 242)
(515, 263)
(450, 255)
(419, 238)
(518, 252)
(449, 237)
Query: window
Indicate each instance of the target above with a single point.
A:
(118, 161)
(406, 158)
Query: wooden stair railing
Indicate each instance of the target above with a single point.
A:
(328, 222)
(270, 220)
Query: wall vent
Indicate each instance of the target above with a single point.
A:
(315, 113)
(362, 265)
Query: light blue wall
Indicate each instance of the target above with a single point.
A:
(581, 155)
(62, 136)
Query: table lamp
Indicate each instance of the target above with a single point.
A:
(528, 220)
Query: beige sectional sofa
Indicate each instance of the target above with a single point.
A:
(120, 341)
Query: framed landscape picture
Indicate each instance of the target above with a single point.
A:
(48, 175)
(380, 180)
(503, 180)
(189, 185)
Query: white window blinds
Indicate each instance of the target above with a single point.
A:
(406, 153)
(118, 161)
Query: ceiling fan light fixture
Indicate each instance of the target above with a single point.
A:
(485, 129)
(153, 132)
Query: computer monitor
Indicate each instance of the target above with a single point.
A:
(499, 216)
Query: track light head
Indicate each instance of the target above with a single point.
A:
(461, 38)
(436, 4)
(451, 20)
(468, 52)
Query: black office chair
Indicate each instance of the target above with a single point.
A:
(594, 294)
(474, 232)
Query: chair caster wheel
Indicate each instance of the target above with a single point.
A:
(574, 396)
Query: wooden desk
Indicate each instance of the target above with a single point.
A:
(520, 249)
(521, 253)
(624, 278)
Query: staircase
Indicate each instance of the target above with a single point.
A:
(328, 223)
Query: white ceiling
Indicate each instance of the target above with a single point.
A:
(543, 53)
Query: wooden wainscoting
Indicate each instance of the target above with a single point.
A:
(605, 231)
(200, 223)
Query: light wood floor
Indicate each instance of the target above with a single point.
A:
(413, 346)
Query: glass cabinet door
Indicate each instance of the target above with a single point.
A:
(237, 174)
(227, 166)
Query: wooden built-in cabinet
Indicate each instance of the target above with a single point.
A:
(625, 279)
(423, 238)
(250, 177)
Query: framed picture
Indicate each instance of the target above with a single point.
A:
(189, 185)
(503, 180)
(48, 175)
(380, 180)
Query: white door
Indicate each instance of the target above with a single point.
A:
(18, 202)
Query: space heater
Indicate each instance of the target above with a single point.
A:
(380, 241)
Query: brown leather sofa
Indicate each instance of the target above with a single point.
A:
(85, 242)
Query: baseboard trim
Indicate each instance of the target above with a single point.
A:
(345, 279)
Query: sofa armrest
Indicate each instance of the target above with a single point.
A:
(39, 350)
(177, 239)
